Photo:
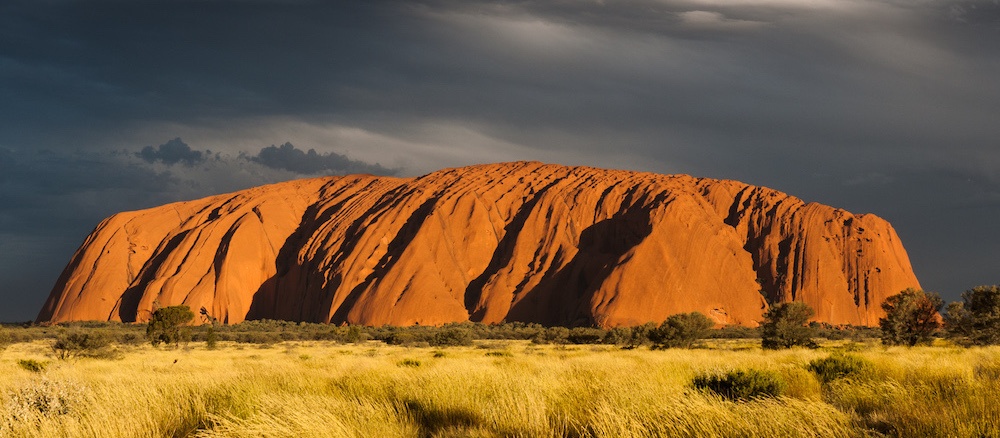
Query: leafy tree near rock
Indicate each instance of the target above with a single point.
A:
(166, 324)
(976, 319)
(911, 317)
(681, 330)
(785, 325)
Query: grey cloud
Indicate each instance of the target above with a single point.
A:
(885, 106)
(172, 152)
(289, 158)
(50, 200)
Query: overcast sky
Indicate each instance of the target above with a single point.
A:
(889, 107)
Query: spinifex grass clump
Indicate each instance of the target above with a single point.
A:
(839, 365)
(43, 398)
(32, 365)
(742, 385)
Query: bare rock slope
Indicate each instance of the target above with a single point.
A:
(514, 241)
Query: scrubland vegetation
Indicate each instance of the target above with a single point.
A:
(501, 388)
(910, 377)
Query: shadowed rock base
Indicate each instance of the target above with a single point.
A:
(519, 241)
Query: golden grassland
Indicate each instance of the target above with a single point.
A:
(508, 388)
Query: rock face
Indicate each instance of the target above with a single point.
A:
(514, 241)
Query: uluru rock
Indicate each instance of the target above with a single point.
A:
(519, 241)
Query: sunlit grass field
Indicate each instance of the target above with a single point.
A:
(495, 388)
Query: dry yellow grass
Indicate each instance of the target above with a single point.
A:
(330, 390)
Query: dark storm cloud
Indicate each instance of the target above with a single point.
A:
(289, 158)
(172, 152)
(50, 200)
(885, 106)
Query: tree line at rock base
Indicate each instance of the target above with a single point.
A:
(912, 317)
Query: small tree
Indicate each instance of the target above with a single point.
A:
(976, 320)
(681, 330)
(911, 317)
(211, 337)
(82, 343)
(785, 325)
(165, 325)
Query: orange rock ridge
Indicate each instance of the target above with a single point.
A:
(519, 241)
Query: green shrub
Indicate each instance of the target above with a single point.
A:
(166, 325)
(452, 336)
(354, 335)
(585, 335)
(32, 365)
(911, 317)
(413, 363)
(5, 339)
(89, 343)
(837, 366)
(742, 385)
(629, 337)
(734, 332)
(552, 335)
(499, 353)
(681, 330)
(975, 320)
(211, 338)
(260, 338)
(618, 336)
(785, 326)
(402, 337)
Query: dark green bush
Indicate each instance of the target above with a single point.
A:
(681, 330)
(354, 335)
(499, 353)
(82, 343)
(842, 332)
(618, 336)
(32, 365)
(976, 319)
(262, 338)
(452, 336)
(629, 337)
(401, 338)
(839, 365)
(166, 325)
(786, 325)
(734, 332)
(742, 385)
(552, 335)
(585, 335)
(211, 338)
(413, 363)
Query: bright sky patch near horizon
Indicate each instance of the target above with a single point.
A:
(885, 106)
